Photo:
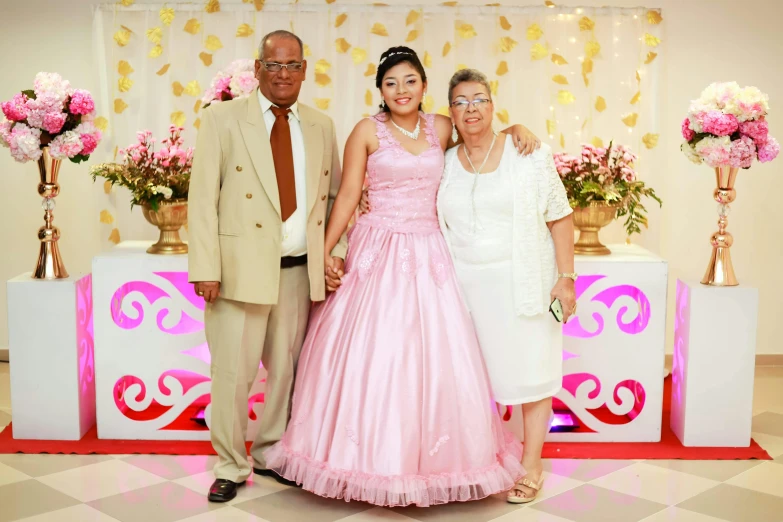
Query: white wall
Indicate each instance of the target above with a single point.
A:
(706, 41)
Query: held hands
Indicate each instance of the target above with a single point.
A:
(525, 141)
(364, 203)
(565, 293)
(209, 290)
(333, 272)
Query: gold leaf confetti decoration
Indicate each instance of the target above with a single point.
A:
(244, 30)
(124, 68)
(114, 237)
(551, 127)
(597, 142)
(368, 98)
(107, 187)
(124, 84)
(122, 37)
(534, 32)
(371, 70)
(322, 79)
(493, 87)
(156, 51)
(358, 55)
(155, 35)
(163, 70)
(650, 140)
(587, 68)
(119, 106)
(213, 43)
(127, 3)
(636, 98)
(192, 26)
(562, 140)
(177, 89)
(651, 41)
(428, 103)
(340, 20)
(550, 4)
(178, 118)
(379, 29)
(565, 97)
(630, 119)
(197, 106)
(600, 104)
(213, 6)
(206, 58)
(504, 23)
(197, 125)
(446, 48)
(538, 52)
(412, 17)
(592, 48)
(102, 123)
(427, 60)
(464, 30)
(166, 16)
(560, 79)
(502, 68)
(586, 24)
(193, 88)
(322, 66)
(341, 45)
(650, 57)
(106, 217)
(507, 44)
(503, 116)
(412, 36)
(654, 17)
(322, 103)
(559, 60)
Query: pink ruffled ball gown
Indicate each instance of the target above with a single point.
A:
(392, 403)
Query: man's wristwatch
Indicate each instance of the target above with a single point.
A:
(571, 276)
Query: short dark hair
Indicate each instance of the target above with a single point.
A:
(393, 56)
(280, 34)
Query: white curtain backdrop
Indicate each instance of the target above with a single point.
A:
(572, 75)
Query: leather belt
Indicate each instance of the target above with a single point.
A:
(291, 262)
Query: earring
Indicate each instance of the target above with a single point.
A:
(454, 134)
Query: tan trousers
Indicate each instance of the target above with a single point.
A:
(239, 336)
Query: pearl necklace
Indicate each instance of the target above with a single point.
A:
(476, 174)
(412, 135)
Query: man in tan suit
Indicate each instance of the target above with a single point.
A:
(265, 173)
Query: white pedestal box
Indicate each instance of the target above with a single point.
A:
(614, 349)
(713, 365)
(51, 350)
(151, 356)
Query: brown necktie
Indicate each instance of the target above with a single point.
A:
(282, 152)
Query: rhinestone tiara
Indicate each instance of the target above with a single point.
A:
(392, 54)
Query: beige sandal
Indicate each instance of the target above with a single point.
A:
(515, 499)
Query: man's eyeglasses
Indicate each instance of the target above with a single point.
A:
(478, 103)
(277, 67)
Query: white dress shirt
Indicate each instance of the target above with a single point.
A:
(295, 227)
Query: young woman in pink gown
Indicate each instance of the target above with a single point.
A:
(392, 403)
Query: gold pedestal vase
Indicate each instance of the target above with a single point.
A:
(720, 271)
(50, 263)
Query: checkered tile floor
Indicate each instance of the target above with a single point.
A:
(65, 488)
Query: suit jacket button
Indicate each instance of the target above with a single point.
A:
(326, 173)
(259, 225)
(239, 168)
(323, 198)
(319, 222)
(249, 196)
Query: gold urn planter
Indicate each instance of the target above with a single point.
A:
(169, 218)
(589, 221)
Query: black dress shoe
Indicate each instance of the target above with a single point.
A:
(223, 490)
(281, 480)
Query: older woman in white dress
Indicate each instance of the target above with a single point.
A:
(507, 222)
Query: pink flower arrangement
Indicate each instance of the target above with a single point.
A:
(150, 175)
(236, 81)
(52, 115)
(601, 174)
(727, 125)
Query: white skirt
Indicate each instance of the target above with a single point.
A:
(523, 355)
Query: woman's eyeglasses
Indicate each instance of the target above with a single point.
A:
(478, 103)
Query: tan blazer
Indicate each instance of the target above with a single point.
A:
(234, 224)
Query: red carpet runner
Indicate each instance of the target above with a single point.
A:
(668, 448)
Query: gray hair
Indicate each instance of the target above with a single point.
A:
(279, 34)
(471, 76)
